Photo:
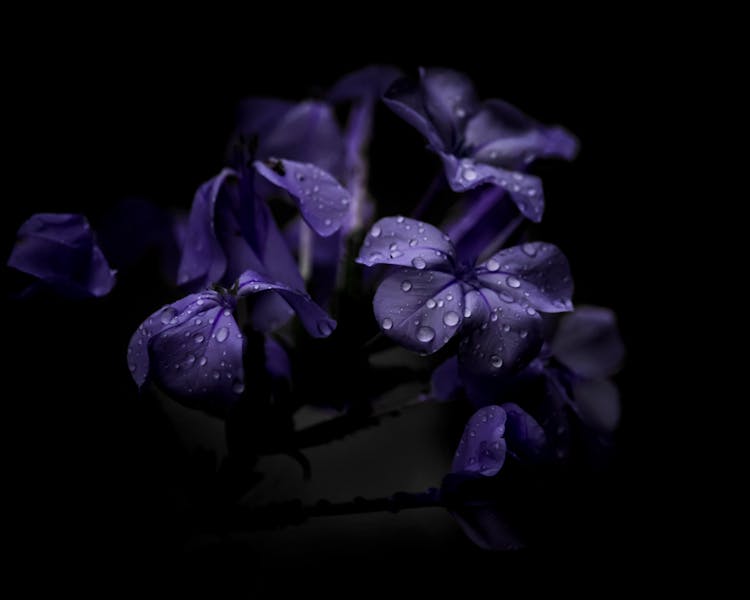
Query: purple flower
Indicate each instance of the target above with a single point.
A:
(482, 446)
(193, 348)
(60, 250)
(479, 142)
(494, 306)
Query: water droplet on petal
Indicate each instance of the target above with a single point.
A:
(493, 316)
(131, 367)
(412, 243)
(189, 360)
(222, 334)
(431, 303)
(460, 112)
(513, 281)
(451, 318)
(405, 285)
(506, 328)
(399, 219)
(167, 315)
(386, 323)
(469, 173)
(325, 329)
(529, 249)
(530, 311)
(202, 362)
(418, 262)
(216, 375)
(375, 231)
(425, 334)
(238, 387)
(505, 297)
(327, 222)
(496, 361)
(492, 265)
(467, 312)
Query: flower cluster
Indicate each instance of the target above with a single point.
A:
(289, 228)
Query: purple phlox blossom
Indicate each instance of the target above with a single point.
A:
(492, 306)
(61, 250)
(192, 348)
(488, 142)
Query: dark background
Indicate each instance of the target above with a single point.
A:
(100, 116)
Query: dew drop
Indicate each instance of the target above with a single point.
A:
(216, 375)
(469, 173)
(529, 249)
(451, 318)
(168, 314)
(393, 246)
(505, 297)
(496, 361)
(441, 303)
(202, 362)
(405, 285)
(327, 222)
(513, 281)
(222, 334)
(412, 243)
(530, 311)
(467, 312)
(375, 231)
(523, 333)
(425, 334)
(396, 253)
(375, 256)
(131, 367)
(460, 112)
(418, 262)
(492, 265)
(399, 219)
(506, 328)
(493, 316)
(238, 387)
(431, 303)
(189, 360)
(198, 321)
(386, 323)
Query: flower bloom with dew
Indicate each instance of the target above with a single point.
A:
(493, 306)
(61, 251)
(479, 143)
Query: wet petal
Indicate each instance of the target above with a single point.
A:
(536, 275)
(421, 310)
(482, 446)
(60, 250)
(323, 202)
(597, 402)
(315, 320)
(525, 436)
(406, 99)
(588, 342)
(409, 243)
(203, 260)
(525, 190)
(450, 100)
(504, 335)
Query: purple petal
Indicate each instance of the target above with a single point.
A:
(408, 243)
(371, 82)
(421, 310)
(597, 402)
(445, 381)
(60, 250)
(203, 260)
(192, 349)
(315, 320)
(588, 342)
(525, 436)
(501, 135)
(406, 99)
(277, 360)
(323, 202)
(256, 116)
(535, 275)
(482, 447)
(504, 337)
(450, 100)
(307, 133)
(525, 190)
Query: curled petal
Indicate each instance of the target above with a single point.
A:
(315, 320)
(421, 310)
(588, 342)
(504, 335)
(323, 202)
(408, 243)
(449, 98)
(406, 99)
(482, 446)
(536, 275)
(525, 436)
(525, 190)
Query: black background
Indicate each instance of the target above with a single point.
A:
(99, 116)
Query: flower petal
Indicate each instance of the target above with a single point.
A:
(597, 402)
(588, 342)
(482, 446)
(257, 116)
(371, 82)
(203, 260)
(60, 250)
(421, 310)
(525, 190)
(323, 202)
(408, 243)
(504, 337)
(315, 320)
(445, 382)
(450, 99)
(406, 99)
(500, 134)
(536, 275)
(525, 436)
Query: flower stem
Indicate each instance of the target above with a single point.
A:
(435, 186)
(501, 238)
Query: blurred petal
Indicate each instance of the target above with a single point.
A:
(256, 116)
(588, 342)
(524, 435)
(450, 100)
(405, 98)
(504, 336)
(315, 320)
(323, 202)
(409, 243)
(487, 528)
(421, 310)
(525, 190)
(203, 259)
(482, 447)
(371, 82)
(60, 250)
(445, 382)
(597, 402)
(534, 274)
(277, 360)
